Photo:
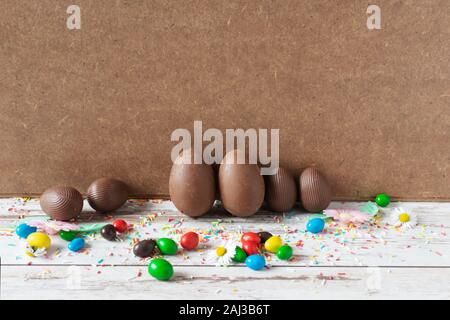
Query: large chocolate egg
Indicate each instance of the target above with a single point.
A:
(241, 185)
(62, 203)
(192, 187)
(315, 192)
(107, 194)
(281, 191)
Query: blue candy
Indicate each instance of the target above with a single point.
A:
(255, 262)
(76, 244)
(315, 225)
(23, 230)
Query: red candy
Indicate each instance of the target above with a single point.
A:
(250, 248)
(120, 225)
(251, 237)
(189, 241)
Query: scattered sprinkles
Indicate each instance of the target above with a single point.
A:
(356, 242)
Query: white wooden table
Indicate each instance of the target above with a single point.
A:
(376, 261)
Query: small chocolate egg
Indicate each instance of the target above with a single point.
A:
(382, 200)
(109, 232)
(255, 262)
(315, 192)
(23, 230)
(264, 236)
(192, 187)
(273, 244)
(189, 240)
(76, 244)
(315, 225)
(160, 269)
(167, 246)
(251, 237)
(120, 225)
(241, 185)
(107, 194)
(250, 247)
(144, 248)
(281, 191)
(62, 203)
(68, 235)
(38, 243)
(284, 252)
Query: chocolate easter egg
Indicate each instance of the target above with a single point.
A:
(144, 248)
(315, 192)
(107, 194)
(241, 185)
(61, 203)
(264, 236)
(192, 187)
(281, 191)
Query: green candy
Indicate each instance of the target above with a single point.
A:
(167, 246)
(240, 255)
(284, 252)
(382, 199)
(68, 235)
(160, 269)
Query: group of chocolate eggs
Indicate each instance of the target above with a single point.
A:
(65, 203)
(242, 189)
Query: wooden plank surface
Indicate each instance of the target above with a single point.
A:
(375, 260)
(123, 282)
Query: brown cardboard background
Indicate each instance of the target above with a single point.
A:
(370, 108)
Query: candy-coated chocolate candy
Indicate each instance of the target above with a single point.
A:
(38, 241)
(315, 225)
(189, 241)
(240, 255)
(250, 247)
(167, 246)
(382, 199)
(160, 269)
(76, 244)
(273, 244)
(264, 236)
(284, 252)
(255, 262)
(68, 235)
(144, 248)
(120, 225)
(23, 230)
(109, 232)
(251, 237)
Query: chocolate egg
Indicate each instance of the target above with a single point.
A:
(281, 191)
(315, 192)
(144, 248)
(107, 194)
(109, 232)
(264, 236)
(192, 187)
(62, 203)
(241, 186)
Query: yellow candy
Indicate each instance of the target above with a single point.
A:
(38, 241)
(273, 244)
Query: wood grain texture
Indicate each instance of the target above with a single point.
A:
(369, 108)
(235, 283)
(427, 245)
(365, 264)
